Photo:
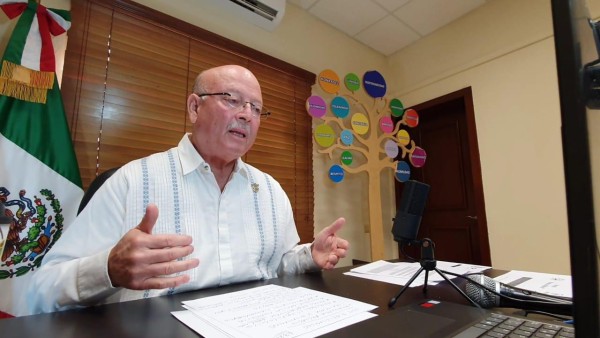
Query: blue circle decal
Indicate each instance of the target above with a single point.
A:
(336, 173)
(347, 137)
(402, 171)
(340, 107)
(374, 84)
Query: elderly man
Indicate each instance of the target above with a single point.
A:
(192, 217)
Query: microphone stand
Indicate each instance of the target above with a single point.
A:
(428, 263)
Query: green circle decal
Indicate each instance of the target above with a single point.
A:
(347, 157)
(352, 82)
(396, 107)
(324, 135)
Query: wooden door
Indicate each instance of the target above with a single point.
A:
(454, 216)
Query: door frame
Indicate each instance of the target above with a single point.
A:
(480, 229)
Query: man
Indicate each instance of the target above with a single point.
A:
(207, 218)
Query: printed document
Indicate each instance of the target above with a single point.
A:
(272, 311)
(401, 272)
(545, 283)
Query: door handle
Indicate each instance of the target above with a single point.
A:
(474, 218)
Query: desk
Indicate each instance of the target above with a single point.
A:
(152, 317)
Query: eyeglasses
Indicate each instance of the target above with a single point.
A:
(236, 103)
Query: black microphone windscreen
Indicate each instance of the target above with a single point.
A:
(481, 296)
(409, 213)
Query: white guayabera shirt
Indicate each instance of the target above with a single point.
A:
(247, 232)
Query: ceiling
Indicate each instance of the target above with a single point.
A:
(387, 25)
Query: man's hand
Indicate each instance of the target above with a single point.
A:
(327, 249)
(141, 261)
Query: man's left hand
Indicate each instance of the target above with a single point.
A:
(328, 248)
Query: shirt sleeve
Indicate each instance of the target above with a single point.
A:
(298, 260)
(74, 272)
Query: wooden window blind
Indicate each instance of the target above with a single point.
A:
(128, 72)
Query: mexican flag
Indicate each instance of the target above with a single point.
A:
(40, 184)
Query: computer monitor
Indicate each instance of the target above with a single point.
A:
(577, 55)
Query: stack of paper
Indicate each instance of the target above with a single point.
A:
(272, 311)
(545, 283)
(400, 273)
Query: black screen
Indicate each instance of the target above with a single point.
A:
(577, 55)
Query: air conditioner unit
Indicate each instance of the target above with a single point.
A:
(263, 13)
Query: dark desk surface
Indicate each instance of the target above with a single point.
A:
(152, 317)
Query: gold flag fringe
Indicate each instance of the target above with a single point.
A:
(25, 84)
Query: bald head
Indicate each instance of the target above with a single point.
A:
(211, 79)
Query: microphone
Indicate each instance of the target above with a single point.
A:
(409, 213)
(513, 297)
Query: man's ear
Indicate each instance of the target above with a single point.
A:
(192, 108)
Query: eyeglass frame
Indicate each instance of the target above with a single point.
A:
(263, 114)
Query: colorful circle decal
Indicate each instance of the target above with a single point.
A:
(411, 117)
(418, 157)
(374, 84)
(329, 81)
(386, 124)
(352, 82)
(316, 106)
(396, 107)
(402, 171)
(391, 149)
(403, 137)
(340, 107)
(347, 137)
(360, 123)
(347, 157)
(336, 173)
(324, 135)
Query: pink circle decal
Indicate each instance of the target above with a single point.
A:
(411, 117)
(391, 149)
(418, 157)
(315, 106)
(386, 124)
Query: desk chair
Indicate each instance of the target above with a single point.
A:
(96, 183)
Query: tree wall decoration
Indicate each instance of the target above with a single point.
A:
(361, 136)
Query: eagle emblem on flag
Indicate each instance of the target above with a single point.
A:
(30, 232)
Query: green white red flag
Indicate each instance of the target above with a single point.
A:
(40, 184)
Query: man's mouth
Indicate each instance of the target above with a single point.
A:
(238, 133)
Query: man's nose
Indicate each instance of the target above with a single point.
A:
(246, 113)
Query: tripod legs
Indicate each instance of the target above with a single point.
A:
(428, 263)
(393, 301)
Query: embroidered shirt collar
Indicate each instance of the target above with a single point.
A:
(191, 160)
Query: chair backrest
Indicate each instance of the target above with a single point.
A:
(96, 183)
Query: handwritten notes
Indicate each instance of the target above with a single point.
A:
(272, 311)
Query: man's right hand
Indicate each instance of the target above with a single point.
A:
(141, 260)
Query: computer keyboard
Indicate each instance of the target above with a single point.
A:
(497, 326)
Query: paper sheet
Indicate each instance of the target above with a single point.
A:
(545, 283)
(401, 272)
(272, 311)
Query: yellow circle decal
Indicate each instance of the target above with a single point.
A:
(329, 81)
(360, 123)
(324, 135)
(403, 137)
